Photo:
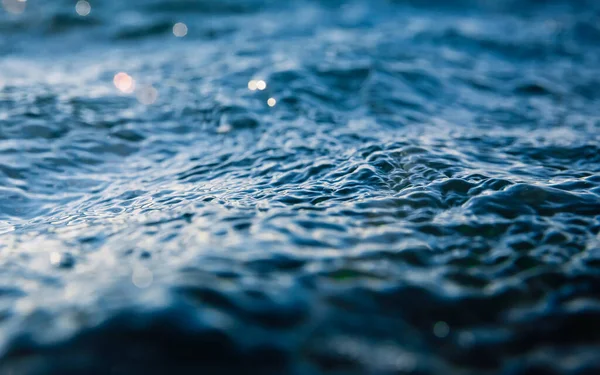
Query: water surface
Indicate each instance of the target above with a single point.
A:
(420, 196)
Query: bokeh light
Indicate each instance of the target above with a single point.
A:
(261, 85)
(124, 83)
(83, 8)
(147, 95)
(252, 85)
(441, 329)
(180, 29)
(271, 102)
(14, 6)
(142, 277)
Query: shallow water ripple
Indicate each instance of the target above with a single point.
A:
(334, 187)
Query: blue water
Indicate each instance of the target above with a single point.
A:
(421, 195)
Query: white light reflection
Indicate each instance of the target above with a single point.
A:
(61, 260)
(14, 6)
(55, 258)
(83, 8)
(261, 85)
(180, 29)
(225, 128)
(271, 102)
(124, 82)
(252, 85)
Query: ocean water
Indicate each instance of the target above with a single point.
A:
(299, 187)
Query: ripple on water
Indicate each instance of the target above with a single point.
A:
(414, 190)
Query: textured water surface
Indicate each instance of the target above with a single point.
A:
(421, 195)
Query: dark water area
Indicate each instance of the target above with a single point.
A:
(299, 187)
